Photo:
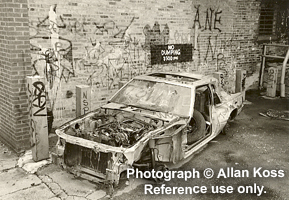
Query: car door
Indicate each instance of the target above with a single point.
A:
(220, 111)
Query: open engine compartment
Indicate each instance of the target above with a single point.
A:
(113, 127)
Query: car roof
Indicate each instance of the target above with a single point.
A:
(184, 78)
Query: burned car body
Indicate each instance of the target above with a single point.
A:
(153, 122)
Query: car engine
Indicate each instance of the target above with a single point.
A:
(113, 128)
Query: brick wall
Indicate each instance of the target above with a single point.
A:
(100, 43)
(15, 63)
(246, 24)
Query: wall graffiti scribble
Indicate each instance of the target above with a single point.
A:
(102, 51)
(154, 35)
(36, 107)
(111, 28)
(39, 100)
(211, 49)
(32, 124)
(60, 61)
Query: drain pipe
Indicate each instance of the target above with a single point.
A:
(283, 74)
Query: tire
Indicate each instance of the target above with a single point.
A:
(196, 128)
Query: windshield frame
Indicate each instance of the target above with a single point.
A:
(156, 80)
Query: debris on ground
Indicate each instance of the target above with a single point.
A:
(28, 164)
(246, 102)
(276, 114)
(270, 98)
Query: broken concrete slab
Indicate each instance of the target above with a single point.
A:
(29, 165)
(6, 164)
(16, 179)
(53, 186)
(62, 182)
(97, 195)
(31, 193)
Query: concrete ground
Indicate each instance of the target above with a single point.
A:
(252, 141)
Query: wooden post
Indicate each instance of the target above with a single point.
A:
(83, 99)
(240, 80)
(262, 67)
(38, 117)
(272, 82)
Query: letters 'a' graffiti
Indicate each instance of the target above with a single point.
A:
(212, 20)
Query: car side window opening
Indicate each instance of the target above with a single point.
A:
(203, 100)
(215, 96)
(197, 128)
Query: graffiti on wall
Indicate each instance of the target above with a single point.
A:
(101, 52)
(220, 52)
(154, 35)
(37, 108)
(119, 57)
(212, 21)
(213, 47)
(55, 22)
(105, 65)
(39, 101)
(53, 62)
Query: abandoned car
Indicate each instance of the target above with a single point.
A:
(154, 121)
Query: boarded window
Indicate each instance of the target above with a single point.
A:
(267, 19)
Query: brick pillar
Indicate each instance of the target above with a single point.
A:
(15, 65)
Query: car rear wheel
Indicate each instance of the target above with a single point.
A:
(196, 128)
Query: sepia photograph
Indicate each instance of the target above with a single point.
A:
(144, 99)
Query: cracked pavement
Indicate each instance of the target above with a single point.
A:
(49, 182)
(18, 184)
